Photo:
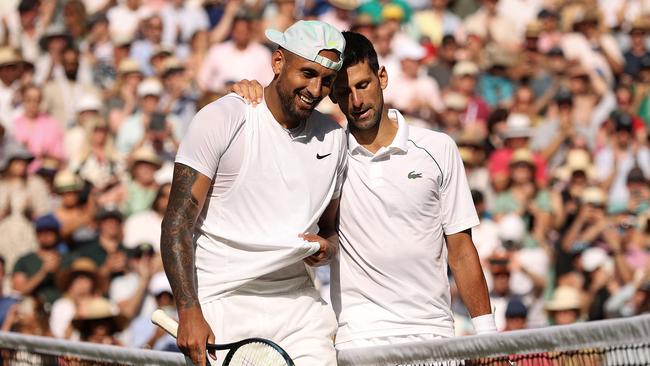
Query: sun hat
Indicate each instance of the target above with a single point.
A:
(306, 38)
(564, 298)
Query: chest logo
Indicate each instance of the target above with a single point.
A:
(414, 175)
(319, 156)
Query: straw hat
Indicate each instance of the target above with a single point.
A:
(639, 24)
(576, 160)
(533, 29)
(67, 181)
(522, 155)
(81, 265)
(344, 4)
(96, 310)
(9, 57)
(128, 66)
(145, 154)
(593, 196)
(464, 68)
(172, 64)
(455, 101)
(564, 298)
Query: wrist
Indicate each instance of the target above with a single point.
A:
(484, 324)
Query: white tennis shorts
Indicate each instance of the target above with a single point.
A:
(299, 321)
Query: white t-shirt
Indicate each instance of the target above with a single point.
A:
(396, 207)
(277, 188)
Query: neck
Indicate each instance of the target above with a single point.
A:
(272, 99)
(380, 136)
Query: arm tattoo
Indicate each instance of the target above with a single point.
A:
(176, 243)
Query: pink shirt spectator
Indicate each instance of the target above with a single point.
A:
(42, 137)
(499, 163)
(226, 63)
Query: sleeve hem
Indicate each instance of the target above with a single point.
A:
(468, 223)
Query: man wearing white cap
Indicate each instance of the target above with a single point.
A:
(254, 198)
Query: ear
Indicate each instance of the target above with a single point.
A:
(277, 61)
(382, 74)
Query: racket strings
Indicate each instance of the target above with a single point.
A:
(257, 354)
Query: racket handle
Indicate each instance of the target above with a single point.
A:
(161, 319)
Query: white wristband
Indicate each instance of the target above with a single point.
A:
(484, 324)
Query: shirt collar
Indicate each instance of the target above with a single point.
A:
(399, 143)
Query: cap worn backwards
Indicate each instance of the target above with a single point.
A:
(306, 38)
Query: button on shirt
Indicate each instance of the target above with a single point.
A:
(396, 206)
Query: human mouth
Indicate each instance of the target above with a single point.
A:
(362, 114)
(307, 101)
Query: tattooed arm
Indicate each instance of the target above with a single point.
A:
(188, 192)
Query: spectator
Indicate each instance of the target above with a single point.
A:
(181, 21)
(437, 21)
(107, 250)
(411, 90)
(638, 49)
(9, 73)
(78, 283)
(41, 134)
(239, 58)
(134, 127)
(178, 99)
(488, 23)
(73, 214)
(144, 227)
(464, 80)
(60, 94)
(6, 301)
(141, 190)
(97, 321)
(34, 273)
(565, 306)
(441, 70)
(122, 101)
(516, 314)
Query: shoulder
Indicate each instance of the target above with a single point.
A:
(429, 139)
(228, 106)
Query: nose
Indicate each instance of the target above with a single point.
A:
(315, 87)
(357, 102)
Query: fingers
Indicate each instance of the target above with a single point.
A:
(212, 352)
(259, 90)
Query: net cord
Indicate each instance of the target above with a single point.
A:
(84, 350)
(605, 333)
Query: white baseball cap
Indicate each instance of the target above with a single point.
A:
(150, 86)
(306, 38)
(410, 51)
(88, 102)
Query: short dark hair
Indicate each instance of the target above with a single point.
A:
(359, 49)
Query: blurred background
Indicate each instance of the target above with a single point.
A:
(548, 101)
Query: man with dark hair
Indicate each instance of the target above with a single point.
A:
(254, 198)
(404, 197)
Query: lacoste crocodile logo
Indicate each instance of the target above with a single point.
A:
(414, 175)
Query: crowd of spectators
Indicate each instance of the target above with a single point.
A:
(548, 100)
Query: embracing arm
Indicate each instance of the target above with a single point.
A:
(188, 192)
(327, 236)
(466, 268)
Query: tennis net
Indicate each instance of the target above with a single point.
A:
(621, 342)
(23, 350)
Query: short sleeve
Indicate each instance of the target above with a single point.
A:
(210, 133)
(457, 207)
(342, 167)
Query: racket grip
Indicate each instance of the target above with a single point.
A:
(161, 319)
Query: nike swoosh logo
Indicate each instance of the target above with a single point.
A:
(319, 156)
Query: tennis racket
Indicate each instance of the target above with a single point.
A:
(247, 352)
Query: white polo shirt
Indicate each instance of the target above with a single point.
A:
(275, 185)
(396, 206)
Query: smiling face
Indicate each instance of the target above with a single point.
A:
(301, 84)
(358, 92)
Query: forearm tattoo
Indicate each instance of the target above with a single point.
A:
(176, 244)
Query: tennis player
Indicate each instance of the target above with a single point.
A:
(253, 199)
(406, 214)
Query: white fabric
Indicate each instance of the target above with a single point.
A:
(298, 321)
(484, 324)
(385, 341)
(61, 315)
(251, 231)
(391, 274)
